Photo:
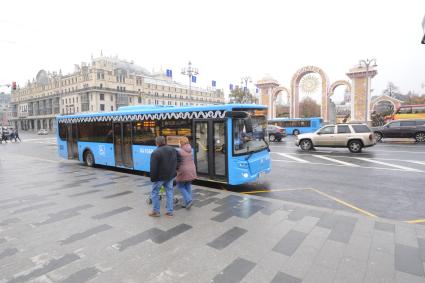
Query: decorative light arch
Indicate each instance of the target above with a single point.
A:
(295, 83)
(337, 84)
(394, 101)
(275, 93)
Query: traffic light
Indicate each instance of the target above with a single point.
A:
(13, 85)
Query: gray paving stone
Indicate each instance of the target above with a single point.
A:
(82, 276)
(112, 213)
(285, 278)
(380, 267)
(85, 234)
(290, 242)
(105, 184)
(320, 274)
(50, 266)
(385, 226)
(351, 270)
(383, 241)
(8, 252)
(65, 214)
(408, 260)
(34, 207)
(342, 231)
(227, 238)
(10, 221)
(331, 254)
(235, 271)
(118, 194)
(85, 193)
(421, 242)
(402, 277)
(306, 224)
(358, 248)
(405, 234)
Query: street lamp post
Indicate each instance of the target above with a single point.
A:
(190, 71)
(366, 63)
(245, 80)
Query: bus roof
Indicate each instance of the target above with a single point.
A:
(151, 109)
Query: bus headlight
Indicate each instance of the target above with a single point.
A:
(243, 164)
(245, 175)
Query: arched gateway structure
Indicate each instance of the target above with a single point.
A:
(359, 89)
(295, 86)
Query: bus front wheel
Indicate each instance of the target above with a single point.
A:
(89, 158)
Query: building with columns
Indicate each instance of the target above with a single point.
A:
(105, 84)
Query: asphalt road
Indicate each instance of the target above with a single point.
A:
(387, 180)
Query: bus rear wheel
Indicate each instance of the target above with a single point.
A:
(295, 132)
(89, 158)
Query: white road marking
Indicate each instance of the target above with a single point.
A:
(388, 164)
(292, 157)
(336, 161)
(416, 162)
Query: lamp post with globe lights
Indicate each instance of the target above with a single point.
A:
(245, 80)
(367, 64)
(190, 71)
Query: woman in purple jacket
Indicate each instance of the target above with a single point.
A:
(186, 171)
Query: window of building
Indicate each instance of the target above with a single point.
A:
(101, 86)
(131, 100)
(139, 100)
(102, 96)
(112, 97)
(112, 108)
(102, 107)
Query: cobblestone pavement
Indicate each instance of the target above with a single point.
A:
(63, 222)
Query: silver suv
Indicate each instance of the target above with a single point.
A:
(353, 136)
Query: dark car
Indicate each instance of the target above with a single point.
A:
(275, 133)
(414, 128)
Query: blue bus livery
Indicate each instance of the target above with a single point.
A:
(296, 126)
(228, 140)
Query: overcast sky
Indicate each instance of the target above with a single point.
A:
(224, 39)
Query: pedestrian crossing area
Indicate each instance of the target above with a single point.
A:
(350, 161)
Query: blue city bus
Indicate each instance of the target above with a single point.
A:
(228, 140)
(296, 126)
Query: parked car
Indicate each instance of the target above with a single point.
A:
(414, 128)
(353, 136)
(275, 133)
(42, 132)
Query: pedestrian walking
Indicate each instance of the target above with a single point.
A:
(17, 135)
(186, 171)
(163, 166)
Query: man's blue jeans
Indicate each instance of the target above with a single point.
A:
(186, 191)
(169, 191)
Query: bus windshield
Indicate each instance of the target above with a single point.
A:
(249, 139)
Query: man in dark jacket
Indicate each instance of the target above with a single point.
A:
(162, 171)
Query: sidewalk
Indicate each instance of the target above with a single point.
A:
(63, 222)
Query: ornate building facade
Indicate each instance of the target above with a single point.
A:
(103, 85)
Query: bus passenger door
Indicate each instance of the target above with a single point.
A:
(72, 141)
(122, 145)
(210, 149)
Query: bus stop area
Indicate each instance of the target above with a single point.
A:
(63, 222)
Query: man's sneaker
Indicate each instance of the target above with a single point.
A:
(170, 214)
(189, 204)
(154, 214)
